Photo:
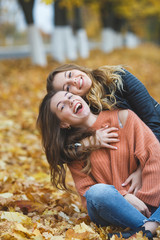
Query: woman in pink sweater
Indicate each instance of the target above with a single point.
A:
(98, 174)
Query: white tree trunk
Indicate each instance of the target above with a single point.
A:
(119, 40)
(37, 50)
(82, 43)
(58, 45)
(70, 44)
(108, 40)
(63, 44)
(131, 40)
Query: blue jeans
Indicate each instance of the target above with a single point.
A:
(106, 206)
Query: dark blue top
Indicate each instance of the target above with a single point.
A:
(135, 96)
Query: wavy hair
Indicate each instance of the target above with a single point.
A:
(56, 142)
(104, 77)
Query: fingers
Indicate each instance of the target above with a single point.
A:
(135, 190)
(127, 181)
(109, 135)
(109, 129)
(131, 189)
(110, 140)
(109, 146)
(147, 213)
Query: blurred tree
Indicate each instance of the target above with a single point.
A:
(123, 20)
(63, 44)
(80, 32)
(139, 15)
(37, 50)
(108, 34)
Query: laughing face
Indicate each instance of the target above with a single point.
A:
(73, 81)
(71, 109)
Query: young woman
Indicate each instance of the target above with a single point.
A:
(107, 87)
(99, 174)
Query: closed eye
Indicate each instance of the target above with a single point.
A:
(62, 107)
(68, 87)
(70, 96)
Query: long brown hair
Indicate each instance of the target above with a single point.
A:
(57, 141)
(103, 77)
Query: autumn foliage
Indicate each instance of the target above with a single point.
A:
(30, 207)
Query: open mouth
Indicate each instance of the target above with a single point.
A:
(80, 82)
(77, 108)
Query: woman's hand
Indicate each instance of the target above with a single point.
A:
(105, 136)
(136, 181)
(138, 204)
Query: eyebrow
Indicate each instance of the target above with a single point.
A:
(65, 77)
(60, 101)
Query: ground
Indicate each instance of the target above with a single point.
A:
(30, 207)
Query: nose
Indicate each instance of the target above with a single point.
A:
(74, 81)
(70, 102)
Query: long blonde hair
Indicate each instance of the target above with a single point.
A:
(103, 77)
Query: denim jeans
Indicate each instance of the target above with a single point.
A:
(106, 206)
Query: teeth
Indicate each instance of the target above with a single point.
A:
(80, 85)
(77, 106)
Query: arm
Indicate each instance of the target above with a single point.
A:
(138, 204)
(141, 102)
(147, 152)
(136, 177)
(82, 181)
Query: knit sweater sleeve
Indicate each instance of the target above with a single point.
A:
(147, 151)
(82, 181)
(141, 102)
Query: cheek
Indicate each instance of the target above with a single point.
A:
(74, 90)
(57, 85)
(89, 83)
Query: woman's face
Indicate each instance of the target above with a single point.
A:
(73, 81)
(71, 109)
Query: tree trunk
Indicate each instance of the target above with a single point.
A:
(119, 37)
(108, 33)
(63, 44)
(37, 49)
(131, 40)
(81, 35)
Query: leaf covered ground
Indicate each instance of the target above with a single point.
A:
(30, 207)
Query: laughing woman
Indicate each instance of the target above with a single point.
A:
(98, 174)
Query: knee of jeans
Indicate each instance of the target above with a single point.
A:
(98, 191)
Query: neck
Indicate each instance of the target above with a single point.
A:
(91, 120)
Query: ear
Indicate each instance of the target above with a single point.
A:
(64, 125)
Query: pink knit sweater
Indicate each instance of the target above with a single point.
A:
(137, 144)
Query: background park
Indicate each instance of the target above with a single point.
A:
(89, 33)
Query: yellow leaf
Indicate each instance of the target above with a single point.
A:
(19, 228)
(15, 217)
(82, 227)
(6, 195)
